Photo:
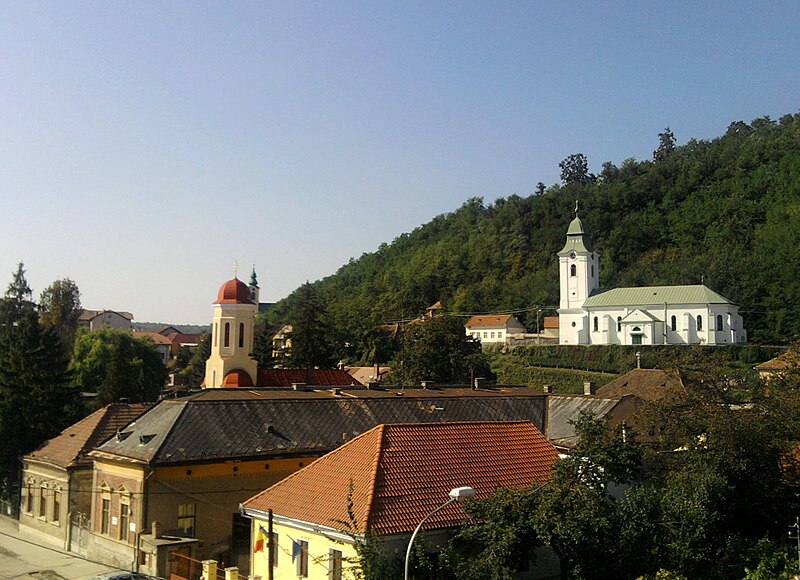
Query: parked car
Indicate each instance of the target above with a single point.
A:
(121, 575)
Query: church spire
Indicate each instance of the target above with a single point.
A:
(253, 278)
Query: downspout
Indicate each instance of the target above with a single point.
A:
(138, 544)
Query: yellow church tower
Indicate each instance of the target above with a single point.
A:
(230, 364)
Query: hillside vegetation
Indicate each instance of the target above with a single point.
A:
(725, 212)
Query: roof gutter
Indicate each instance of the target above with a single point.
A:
(334, 534)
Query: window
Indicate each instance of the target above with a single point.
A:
(573, 270)
(636, 339)
(56, 506)
(499, 335)
(491, 334)
(592, 270)
(594, 324)
(619, 323)
(186, 518)
(241, 335)
(334, 564)
(42, 501)
(29, 499)
(105, 517)
(673, 323)
(124, 520)
(699, 322)
(216, 333)
(485, 335)
(719, 322)
(300, 552)
(227, 340)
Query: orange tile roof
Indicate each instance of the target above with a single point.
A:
(69, 448)
(788, 360)
(551, 321)
(154, 336)
(489, 320)
(401, 472)
(234, 291)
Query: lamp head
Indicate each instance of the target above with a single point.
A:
(461, 493)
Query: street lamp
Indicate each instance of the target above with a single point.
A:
(456, 494)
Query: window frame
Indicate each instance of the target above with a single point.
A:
(189, 515)
(335, 564)
(41, 512)
(301, 563)
(699, 321)
(55, 506)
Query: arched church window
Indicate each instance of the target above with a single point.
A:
(619, 323)
(227, 341)
(594, 324)
(719, 321)
(673, 323)
(241, 335)
(699, 322)
(573, 271)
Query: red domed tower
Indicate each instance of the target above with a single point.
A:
(232, 337)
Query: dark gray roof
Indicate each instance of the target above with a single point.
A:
(196, 430)
(562, 410)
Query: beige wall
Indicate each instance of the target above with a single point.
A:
(46, 485)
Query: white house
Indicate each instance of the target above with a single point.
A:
(494, 328)
(692, 314)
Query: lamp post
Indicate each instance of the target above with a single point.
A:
(456, 494)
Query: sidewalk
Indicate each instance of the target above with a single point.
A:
(22, 558)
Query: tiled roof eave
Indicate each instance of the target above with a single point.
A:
(330, 532)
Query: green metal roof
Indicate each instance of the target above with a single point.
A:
(577, 238)
(575, 227)
(655, 295)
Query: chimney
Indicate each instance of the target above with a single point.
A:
(549, 389)
(589, 388)
(426, 384)
(372, 385)
(156, 530)
(298, 386)
(336, 392)
(478, 383)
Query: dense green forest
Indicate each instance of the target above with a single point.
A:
(725, 212)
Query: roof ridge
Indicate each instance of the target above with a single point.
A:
(374, 476)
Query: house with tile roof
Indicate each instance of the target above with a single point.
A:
(96, 319)
(493, 329)
(391, 477)
(781, 364)
(188, 463)
(57, 477)
(693, 314)
(646, 384)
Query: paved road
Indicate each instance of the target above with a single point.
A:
(21, 558)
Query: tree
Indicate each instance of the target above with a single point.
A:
(575, 169)
(115, 365)
(438, 349)
(36, 400)
(666, 146)
(539, 189)
(60, 308)
(195, 371)
(311, 343)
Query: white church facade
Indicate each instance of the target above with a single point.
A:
(692, 314)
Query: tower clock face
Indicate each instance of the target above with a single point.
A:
(572, 255)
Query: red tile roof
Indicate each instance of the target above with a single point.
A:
(551, 321)
(237, 378)
(401, 472)
(489, 320)
(69, 448)
(320, 377)
(154, 336)
(234, 292)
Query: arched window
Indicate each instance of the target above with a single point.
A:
(241, 335)
(227, 341)
(619, 323)
(699, 322)
(573, 270)
(719, 321)
(594, 324)
(592, 270)
(216, 333)
(673, 323)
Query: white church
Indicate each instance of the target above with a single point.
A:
(692, 314)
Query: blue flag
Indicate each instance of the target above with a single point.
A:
(296, 550)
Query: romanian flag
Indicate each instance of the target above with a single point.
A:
(261, 539)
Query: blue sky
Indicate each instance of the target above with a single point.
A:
(145, 146)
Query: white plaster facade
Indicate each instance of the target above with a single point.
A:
(692, 314)
(494, 329)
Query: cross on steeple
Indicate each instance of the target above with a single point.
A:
(576, 208)
(236, 269)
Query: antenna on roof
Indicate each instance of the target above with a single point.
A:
(236, 269)
(576, 208)
(702, 278)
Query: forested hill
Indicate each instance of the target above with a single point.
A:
(724, 211)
